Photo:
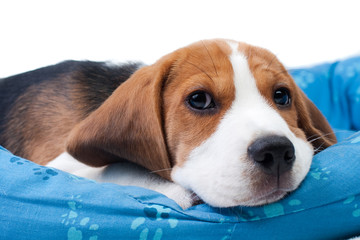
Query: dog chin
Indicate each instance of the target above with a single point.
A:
(275, 190)
(270, 197)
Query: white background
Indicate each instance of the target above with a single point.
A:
(38, 33)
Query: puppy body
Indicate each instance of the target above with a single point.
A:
(220, 118)
(40, 108)
(126, 174)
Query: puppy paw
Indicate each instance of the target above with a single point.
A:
(183, 197)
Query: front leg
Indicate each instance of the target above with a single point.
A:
(129, 174)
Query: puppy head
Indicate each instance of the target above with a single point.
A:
(221, 118)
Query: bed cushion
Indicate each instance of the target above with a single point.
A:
(43, 203)
(335, 90)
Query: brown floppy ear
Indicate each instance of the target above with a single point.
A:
(128, 125)
(317, 129)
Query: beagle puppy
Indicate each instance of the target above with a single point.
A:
(218, 121)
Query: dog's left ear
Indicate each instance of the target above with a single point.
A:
(313, 123)
(128, 125)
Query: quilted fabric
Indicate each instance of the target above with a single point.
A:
(43, 203)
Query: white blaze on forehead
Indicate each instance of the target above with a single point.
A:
(245, 84)
(219, 170)
(250, 106)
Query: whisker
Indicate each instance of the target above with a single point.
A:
(319, 148)
(316, 137)
(210, 57)
(200, 70)
(319, 136)
(161, 170)
(271, 61)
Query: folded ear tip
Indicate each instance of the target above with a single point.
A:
(80, 149)
(316, 127)
(91, 156)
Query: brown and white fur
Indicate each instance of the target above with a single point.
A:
(244, 148)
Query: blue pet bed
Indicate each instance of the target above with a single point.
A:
(42, 203)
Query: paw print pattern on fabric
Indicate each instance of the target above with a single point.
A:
(153, 213)
(46, 173)
(304, 79)
(281, 208)
(296, 203)
(351, 70)
(274, 210)
(74, 204)
(246, 216)
(75, 221)
(352, 200)
(320, 173)
(271, 210)
(18, 161)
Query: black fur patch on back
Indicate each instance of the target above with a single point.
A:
(83, 85)
(13, 87)
(100, 80)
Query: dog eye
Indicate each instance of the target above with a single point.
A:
(200, 100)
(282, 97)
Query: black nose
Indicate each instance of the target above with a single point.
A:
(274, 154)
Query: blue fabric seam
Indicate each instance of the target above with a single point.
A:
(233, 230)
(160, 204)
(242, 222)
